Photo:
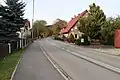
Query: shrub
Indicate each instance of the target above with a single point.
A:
(86, 42)
(71, 38)
(109, 41)
(78, 41)
(58, 38)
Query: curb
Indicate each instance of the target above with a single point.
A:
(15, 69)
(107, 52)
(97, 62)
(55, 65)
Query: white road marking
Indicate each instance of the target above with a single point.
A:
(66, 77)
(68, 50)
(102, 64)
(63, 48)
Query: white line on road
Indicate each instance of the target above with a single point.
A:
(63, 48)
(102, 64)
(68, 50)
(56, 66)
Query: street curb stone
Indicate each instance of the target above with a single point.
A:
(15, 69)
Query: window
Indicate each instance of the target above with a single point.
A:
(75, 27)
(75, 35)
(71, 29)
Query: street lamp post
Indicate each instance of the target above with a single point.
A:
(33, 17)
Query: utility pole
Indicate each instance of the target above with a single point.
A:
(33, 17)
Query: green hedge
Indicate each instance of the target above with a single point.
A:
(78, 41)
(109, 41)
(58, 38)
(86, 42)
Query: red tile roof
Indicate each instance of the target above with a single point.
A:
(27, 23)
(72, 23)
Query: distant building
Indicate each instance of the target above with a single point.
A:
(71, 27)
(25, 30)
(49, 26)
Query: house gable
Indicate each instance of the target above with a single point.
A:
(72, 23)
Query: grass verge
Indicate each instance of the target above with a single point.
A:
(7, 65)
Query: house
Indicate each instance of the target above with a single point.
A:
(25, 31)
(71, 27)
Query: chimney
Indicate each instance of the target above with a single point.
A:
(74, 16)
(78, 14)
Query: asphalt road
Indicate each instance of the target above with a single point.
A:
(77, 68)
(106, 58)
(35, 66)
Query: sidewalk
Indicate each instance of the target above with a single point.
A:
(103, 49)
(109, 51)
(35, 66)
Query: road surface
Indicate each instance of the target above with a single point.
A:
(78, 68)
(35, 66)
(106, 58)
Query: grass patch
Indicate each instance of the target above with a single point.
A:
(7, 65)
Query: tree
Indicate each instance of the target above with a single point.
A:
(108, 30)
(55, 30)
(71, 38)
(2, 27)
(58, 25)
(39, 28)
(50, 32)
(43, 22)
(91, 25)
(12, 16)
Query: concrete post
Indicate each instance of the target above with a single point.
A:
(17, 44)
(25, 42)
(20, 43)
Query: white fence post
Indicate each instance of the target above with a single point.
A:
(17, 44)
(9, 47)
(25, 42)
(20, 43)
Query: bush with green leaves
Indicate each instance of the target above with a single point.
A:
(91, 25)
(11, 17)
(71, 38)
(58, 38)
(78, 41)
(109, 41)
(86, 41)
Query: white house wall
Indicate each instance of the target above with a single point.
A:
(74, 31)
(66, 35)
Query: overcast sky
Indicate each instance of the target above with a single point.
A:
(50, 10)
